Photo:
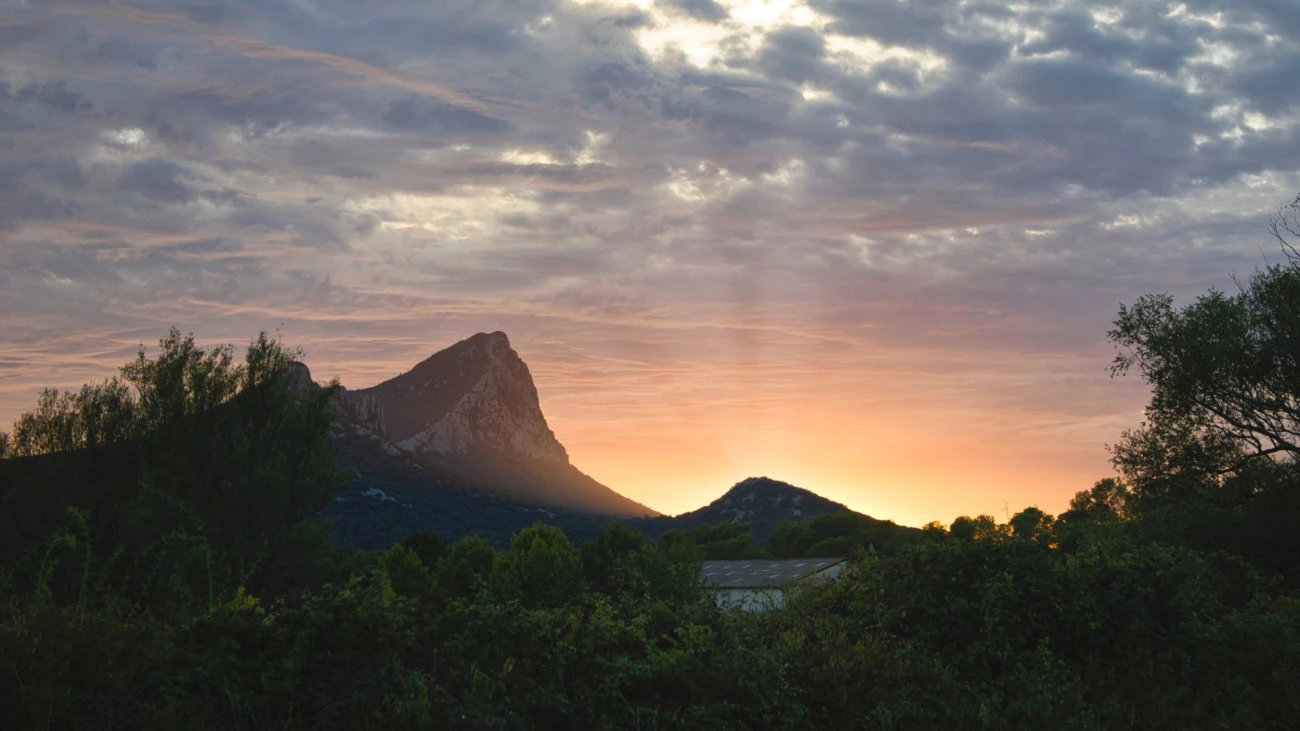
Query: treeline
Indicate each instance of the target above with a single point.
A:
(157, 571)
(847, 534)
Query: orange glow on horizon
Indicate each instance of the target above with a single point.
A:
(903, 466)
(673, 423)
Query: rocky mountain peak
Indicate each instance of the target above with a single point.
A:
(475, 398)
(298, 377)
(472, 409)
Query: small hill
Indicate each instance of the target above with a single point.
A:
(759, 502)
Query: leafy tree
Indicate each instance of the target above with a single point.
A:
(63, 421)
(540, 569)
(186, 380)
(1094, 515)
(427, 546)
(1108, 498)
(984, 527)
(1223, 371)
(838, 534)
(614, 561)
(672, 569)
(466, 567)
(720, 541)
(1032, 524)
(194, 470)
(406, 573)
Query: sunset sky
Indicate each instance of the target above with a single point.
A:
(868, 247)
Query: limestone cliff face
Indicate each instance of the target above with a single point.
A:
(361, 411)
(473, 408)
(475, 398)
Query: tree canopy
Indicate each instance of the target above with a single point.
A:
(1224, 372)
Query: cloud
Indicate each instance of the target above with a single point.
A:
(158, 180)
(707, 10)
(420, 114)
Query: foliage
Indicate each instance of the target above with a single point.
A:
(540, 569)
(721, 541)
(195, 479)
(467, 567)
(1223, 372)
(63, 421)
(838, 534)
(614, 560)
(428, 547)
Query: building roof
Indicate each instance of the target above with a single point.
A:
(762, 574)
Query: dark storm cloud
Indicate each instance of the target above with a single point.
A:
(792, 54)
(157, 179)
(54, 95)
(700, 9)
(25, 108)
(888, 21)
(1164, 47)
(1272, 85)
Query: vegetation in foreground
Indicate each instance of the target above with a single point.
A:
(157, 571)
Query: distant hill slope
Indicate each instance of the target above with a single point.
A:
(472, 411)
(393, 494)
(391, 498)
(759, 502)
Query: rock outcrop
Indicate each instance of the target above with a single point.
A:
(473, 410)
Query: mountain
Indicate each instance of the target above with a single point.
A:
(470, 415)
(759, 502)
(392, 495)
(458, 445)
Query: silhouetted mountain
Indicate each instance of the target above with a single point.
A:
(461, 434)
(759, 502)
(458, 445)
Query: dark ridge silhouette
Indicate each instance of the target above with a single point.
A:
(758, 502)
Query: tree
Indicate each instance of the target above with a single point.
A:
(407, 573)
(614, 560)
(1224, 371)
(719, 541)
(540, 569)
(466, 567)
(196, 469)
(838, 534)
(427, 546)
(983, 527)
(1032, 524)
(63, 421)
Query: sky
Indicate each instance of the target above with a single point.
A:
(869, 247)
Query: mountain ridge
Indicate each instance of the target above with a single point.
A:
(458, 444)
(471, 410)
